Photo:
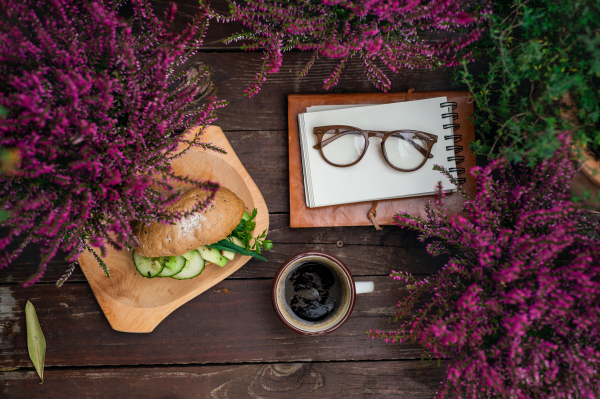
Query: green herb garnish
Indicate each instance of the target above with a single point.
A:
(225, 245)
(243, 231)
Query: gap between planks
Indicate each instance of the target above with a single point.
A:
(178, 365)
(361, 277)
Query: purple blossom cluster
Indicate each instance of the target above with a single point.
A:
(85, 105)
(398, 34)
(516, 310)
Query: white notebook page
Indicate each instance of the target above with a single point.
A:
(372, 178)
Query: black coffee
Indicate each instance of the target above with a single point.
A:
(311, 291)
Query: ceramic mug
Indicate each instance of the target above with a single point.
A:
(346, 294)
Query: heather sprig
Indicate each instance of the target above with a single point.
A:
(85, 106)
(397, 34)
(516, 310)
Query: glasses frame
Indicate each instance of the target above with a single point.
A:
(320, 131)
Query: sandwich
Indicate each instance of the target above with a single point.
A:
(214, 235)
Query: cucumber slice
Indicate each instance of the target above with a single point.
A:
(237, 241)
(147, 267)
(192, 268)
(189, 255)
(173, 265)
(212, 255)
(228, 254)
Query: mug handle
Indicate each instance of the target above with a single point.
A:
(364, 287)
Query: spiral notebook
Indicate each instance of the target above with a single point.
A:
(355, 214)
(372, 178)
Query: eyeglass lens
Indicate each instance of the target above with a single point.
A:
(345, 149)
(406, 150)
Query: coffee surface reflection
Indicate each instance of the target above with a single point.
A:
(312, 291)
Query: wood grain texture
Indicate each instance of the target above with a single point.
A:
(389, 379)
(265, 157)
(267, 110)
(390, 236)
(132, 303)
(362, 259)
(232, 322)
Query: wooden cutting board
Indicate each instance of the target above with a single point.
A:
(133, 303)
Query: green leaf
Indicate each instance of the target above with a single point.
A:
(36, 343)
(225, 245)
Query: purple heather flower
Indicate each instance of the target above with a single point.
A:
(392, 33)
(516, 310)
(89, 113)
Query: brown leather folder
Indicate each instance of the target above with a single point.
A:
(357, 214)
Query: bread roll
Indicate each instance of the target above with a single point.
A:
(213, 224)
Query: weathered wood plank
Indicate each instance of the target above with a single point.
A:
(362, 259)
(390, 236)
(234, 71)
(406, 379)
(237, 325)
(265, 157)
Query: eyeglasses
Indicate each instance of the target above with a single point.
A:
(403, 150)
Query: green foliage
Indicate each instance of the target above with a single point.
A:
(244, 230)
(539, 50)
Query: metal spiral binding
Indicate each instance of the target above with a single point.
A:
(449, 104)
(455, 148)
(457, 138)
(455, 126)
(452, 115)
(458, 158)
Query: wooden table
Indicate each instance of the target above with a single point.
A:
(228, 342)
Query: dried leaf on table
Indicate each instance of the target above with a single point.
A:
(36, 343)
